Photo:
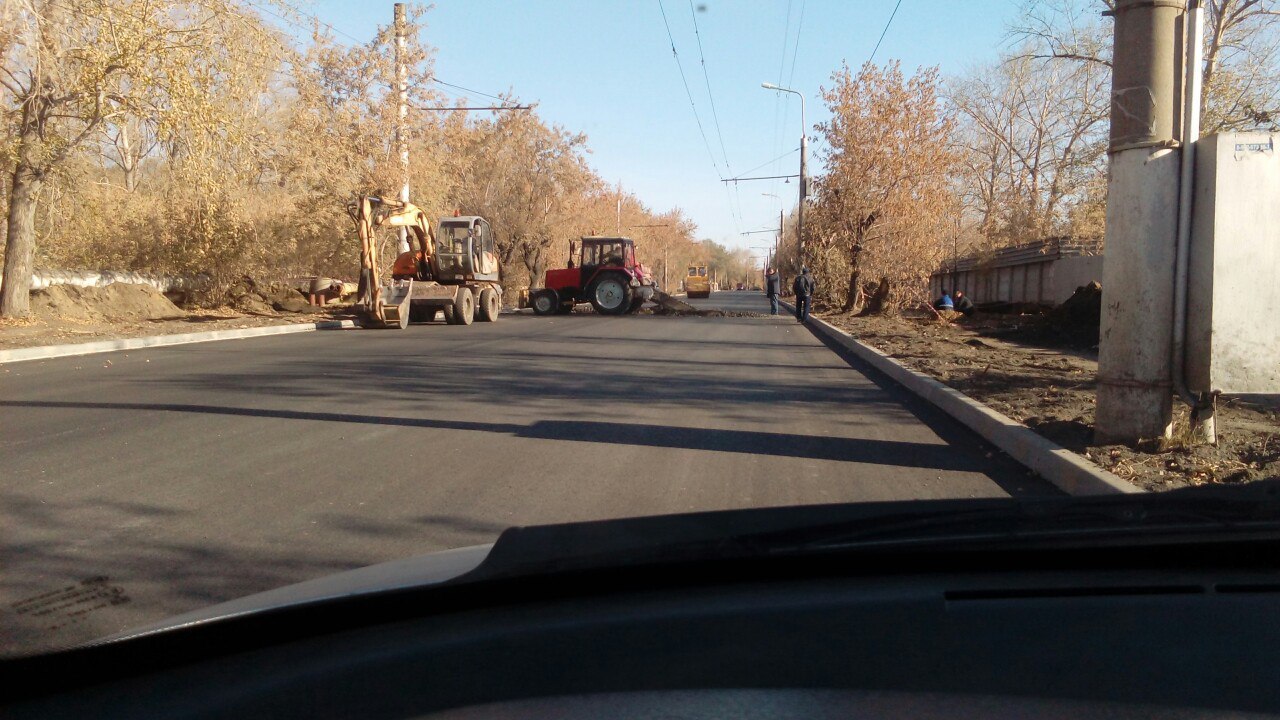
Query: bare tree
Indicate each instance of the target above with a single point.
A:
(1033, 135)
(1241, 53)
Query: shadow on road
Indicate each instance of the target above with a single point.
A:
(878, 452)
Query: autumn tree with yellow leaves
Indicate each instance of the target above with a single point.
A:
(885, 204)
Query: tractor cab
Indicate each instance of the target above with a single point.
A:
(601, 252)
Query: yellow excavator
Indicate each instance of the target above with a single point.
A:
(453, 268)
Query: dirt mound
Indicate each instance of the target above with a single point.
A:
(117, 301)
(1084, 307)
(666, 312)
(262, 298)
(1073, 324)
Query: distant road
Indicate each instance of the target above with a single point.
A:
(180, 477)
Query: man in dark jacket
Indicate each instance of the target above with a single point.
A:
(804, 288)
(772, 289)
(964, 305)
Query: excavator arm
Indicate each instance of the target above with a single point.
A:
(388, 305)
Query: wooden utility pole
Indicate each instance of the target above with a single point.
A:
(1135, 392)
(402, 120)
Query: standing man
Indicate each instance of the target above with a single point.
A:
(772, 288)
(804, 288)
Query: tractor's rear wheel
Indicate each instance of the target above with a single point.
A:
(489, 305)
(464, 307)
(545, 302)
(610, 294)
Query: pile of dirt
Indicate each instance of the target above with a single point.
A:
(668, 312)
(115, 302)
(1073, 324)
(251, 296)
(1053, 391)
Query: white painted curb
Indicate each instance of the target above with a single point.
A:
(1065, 469)
(89, 348)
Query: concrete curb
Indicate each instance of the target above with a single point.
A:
(1065, 469)
(56, 351)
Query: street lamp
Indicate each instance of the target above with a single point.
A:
(804, 145)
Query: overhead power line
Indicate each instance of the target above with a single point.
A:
(783, 155)
(886, 30)
(735, 204)
(688, 93)
(795, 46)
(469, 90)
(457, 109)
(339, 31)
(762, 177)
(694, 106)
(707, 78)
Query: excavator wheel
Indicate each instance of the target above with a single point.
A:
(545, 302)
(464, 307)
(489, 305)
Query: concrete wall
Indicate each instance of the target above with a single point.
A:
(1065, 275)
(89, 278)
(1047, 282)
(1233, 327)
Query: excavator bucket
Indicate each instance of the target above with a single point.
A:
(394, 305)
(666, 302)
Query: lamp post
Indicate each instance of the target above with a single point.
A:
(804, 145)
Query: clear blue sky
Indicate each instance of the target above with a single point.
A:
(604, 67)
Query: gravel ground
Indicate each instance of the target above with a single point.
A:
(1052, 390)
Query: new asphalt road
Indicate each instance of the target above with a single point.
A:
(139, 485)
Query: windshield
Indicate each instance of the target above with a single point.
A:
(454, 238)
(606, 253)
(223, 372)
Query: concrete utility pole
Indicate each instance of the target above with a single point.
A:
(402, 121)
(804, 151)
(1135, 393)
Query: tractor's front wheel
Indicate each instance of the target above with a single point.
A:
(545, 302)
(611, 294)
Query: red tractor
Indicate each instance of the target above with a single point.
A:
(607, 275)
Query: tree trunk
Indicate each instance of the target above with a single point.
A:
(20, 244)
(854, 298)
(535, 262)
(879, 299)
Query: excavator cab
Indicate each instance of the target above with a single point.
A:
(465, 250)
